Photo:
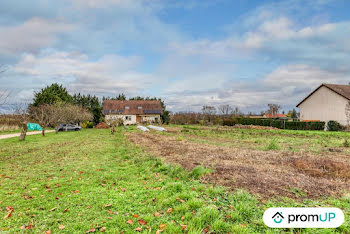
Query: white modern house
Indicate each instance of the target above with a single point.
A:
(133, 111)
(327, 102)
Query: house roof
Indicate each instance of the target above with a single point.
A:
(132, 107)
(342, 90)
(278, 213)
(275, 116)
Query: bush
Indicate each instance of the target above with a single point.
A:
(87, 124)
(282, 124)
(229, 122)
(333, 125)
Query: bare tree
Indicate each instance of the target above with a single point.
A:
(209, 111)
(273, 109)
(225, 109)
(236, 112)
(74, 114)
(53, 115)
(43, 114)
(115, 123)
(57, 112)
(21, 111)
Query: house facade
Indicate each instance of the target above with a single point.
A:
(133, 111)
(327, 102)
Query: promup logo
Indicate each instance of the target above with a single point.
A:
(303, 217)
(278, 217)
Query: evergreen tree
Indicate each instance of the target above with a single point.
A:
(294, 114)
(51, 95)
(92, 103)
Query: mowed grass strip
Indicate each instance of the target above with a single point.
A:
(76, 182)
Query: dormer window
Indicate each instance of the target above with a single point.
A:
(127, 107)
(139, 107)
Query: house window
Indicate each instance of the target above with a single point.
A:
(139, 107)
(127, 107)
(128, 117)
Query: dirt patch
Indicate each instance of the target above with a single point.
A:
(267, 173)
(323, 168)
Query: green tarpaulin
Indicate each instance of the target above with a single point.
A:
(33, 126)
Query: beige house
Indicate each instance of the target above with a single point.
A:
(327, 102)
(133, 111)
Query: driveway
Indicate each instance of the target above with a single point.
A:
(18, 134)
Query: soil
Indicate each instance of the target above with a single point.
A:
(266, 173)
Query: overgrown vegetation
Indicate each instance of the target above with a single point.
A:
(92, 181)
(288, 140)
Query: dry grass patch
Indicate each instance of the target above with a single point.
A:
(267, 173)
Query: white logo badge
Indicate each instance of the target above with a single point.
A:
(303, 217)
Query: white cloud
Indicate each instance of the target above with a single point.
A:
(277, 38)
(301, 75)
(109, 75)
(31, 36)
(108, 3)
(286, 85)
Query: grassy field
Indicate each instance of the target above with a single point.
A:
(4, 132)
(93, 181)
(284, 140)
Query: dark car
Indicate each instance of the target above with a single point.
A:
(69, 127)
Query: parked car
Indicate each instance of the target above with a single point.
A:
(69, 127)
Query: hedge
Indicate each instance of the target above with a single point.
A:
(282, 124)
(334, 126)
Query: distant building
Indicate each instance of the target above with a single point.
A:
(327, 102)
(133, 111)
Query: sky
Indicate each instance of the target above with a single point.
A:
(188, 52)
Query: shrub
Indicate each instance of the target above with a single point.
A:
(333, 125)
(87, 124)
(282, 124)
(229, 122)
(102, 126)
(346, 143)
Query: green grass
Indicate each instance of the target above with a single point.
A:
(273, 145)
(4, 132)
(285, 140)
(92, 179)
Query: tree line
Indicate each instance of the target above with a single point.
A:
(54, 105)
(215, 115)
